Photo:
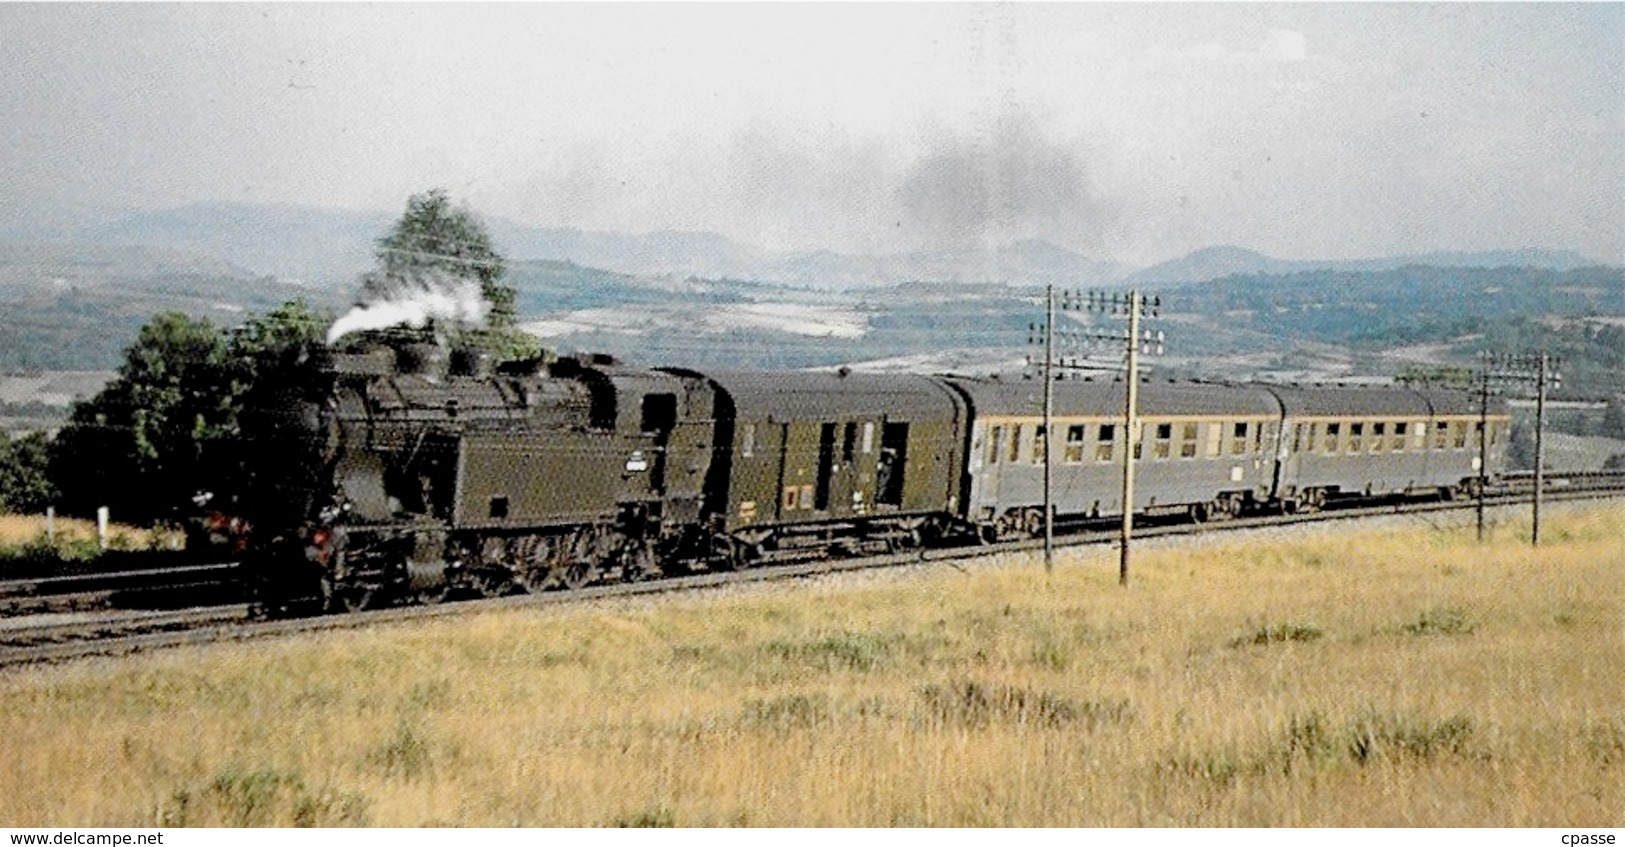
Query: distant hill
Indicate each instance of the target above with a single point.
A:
(328, 249)
(320, 248)
(1218, 262)
(76, 307)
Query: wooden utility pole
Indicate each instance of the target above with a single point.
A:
(1131, 410)
(1543, 370)
(1049, 427)
(1135, 341)
(1540, 446)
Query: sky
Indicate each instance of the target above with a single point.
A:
(1131, 132)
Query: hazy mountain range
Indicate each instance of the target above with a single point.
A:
(326, 249)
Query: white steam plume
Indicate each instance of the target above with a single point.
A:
(425, 295)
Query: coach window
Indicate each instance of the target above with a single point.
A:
(995, 443)
(1458, 431)
(1215, 438)
(1016, 434)
(849, 442)
(1187, 442)
(1074, 444)
(1165, 437)
(1356, 436)
(1103, 442)
(1495, 433)
(1396, 442)
(1379, 436)
(1238, 438)
(1441, 435)
(1334, 432)
(1297, 436)
(1040, 435)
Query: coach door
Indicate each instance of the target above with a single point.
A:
(892, 465)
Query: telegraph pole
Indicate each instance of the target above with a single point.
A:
(1134, 306)
(1542, 369)
(1540, 446)
(1484, 359)
(1049, 427)
(1131, 427)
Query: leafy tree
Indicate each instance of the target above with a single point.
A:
(137, 446)
(167, 427)
(275, 343)
(24, 483)
(432, 235)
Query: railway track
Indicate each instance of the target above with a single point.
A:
(61, 637)
(144, 588)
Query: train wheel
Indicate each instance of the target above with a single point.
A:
(535, 566)
(359, 598)
(579, 574)
(338, 597)
(1199, 512)
(731, 554)
(1032, 523)
(433, 595)
(490, 584)
(641, 564)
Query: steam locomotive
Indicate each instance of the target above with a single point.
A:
(411, 474)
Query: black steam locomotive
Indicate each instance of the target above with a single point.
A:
(410, 474)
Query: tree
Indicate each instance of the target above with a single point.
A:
(24, 483)
(167, 427)
(434, 237)
(137, 445)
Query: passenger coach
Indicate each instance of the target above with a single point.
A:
(815, 459)
(1364, 442)
(1205, 449)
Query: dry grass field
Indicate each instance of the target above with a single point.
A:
(75, 537)
(1397, 676)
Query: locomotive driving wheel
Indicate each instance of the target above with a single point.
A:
(344, 597)
(535, 563)
(578, 574)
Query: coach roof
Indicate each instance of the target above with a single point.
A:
(1358, 401)
(1101, 398)
(831, 395)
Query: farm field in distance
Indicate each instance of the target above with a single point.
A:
(1389, 674)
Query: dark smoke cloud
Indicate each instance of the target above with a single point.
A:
(786, 187)
(997, 186)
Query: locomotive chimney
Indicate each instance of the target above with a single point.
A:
(422, 358)
(470, 361)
